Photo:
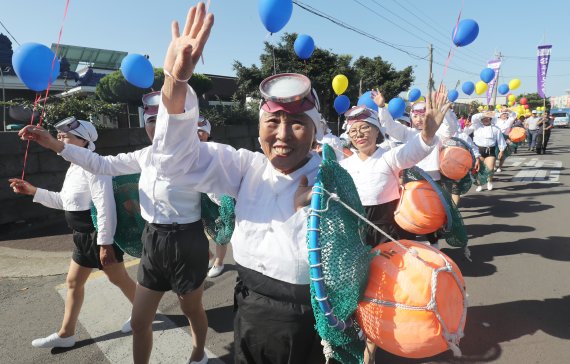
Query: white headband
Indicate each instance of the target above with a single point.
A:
(315, 116)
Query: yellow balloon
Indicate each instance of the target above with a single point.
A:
(512, 98)
(422, 99)
(339, 84)
(514, 84)
(480, 108)
(511, 103)
(480, 87)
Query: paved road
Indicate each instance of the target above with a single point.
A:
(518, 285)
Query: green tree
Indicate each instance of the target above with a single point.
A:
(321, 69)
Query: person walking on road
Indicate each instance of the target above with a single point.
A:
(93, 248)
(532, 130)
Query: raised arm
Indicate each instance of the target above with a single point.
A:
(117, 165)
(449, 127)
(409, 154)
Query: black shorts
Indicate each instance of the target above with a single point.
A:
(86, 251)
(174, 257)
(383, 216)
(487, 151)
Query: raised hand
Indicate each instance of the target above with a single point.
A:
(378, 98)
(22, 187)
(437, 106)
(185, 50)
(41, 136)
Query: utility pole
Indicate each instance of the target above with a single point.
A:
(496, 85)
(430, 76)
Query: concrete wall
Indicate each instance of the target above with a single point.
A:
(47, 170)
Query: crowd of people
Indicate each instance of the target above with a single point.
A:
(274, 321)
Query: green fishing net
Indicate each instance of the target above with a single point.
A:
(345, 258)
(455, 235)
(219, 221)
(482, 176)
(130, 224)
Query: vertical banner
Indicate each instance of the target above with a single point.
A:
(542, 68)
(493, 64)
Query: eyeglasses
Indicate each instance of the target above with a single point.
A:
(67, 125)
(364, 130)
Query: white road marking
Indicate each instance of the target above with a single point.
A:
(541, 171)
(104, 311)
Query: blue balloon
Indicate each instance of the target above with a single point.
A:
(467, 32)
(396, 107)
(468, 87)
(366, 100)
(304, 46)
(137, 70)
(503, 89)
(452, 95)
(33, 64)
(341, 104)
(487, 75)
(275, 14)
(414, 95)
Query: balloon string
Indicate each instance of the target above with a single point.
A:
(42, 114)
(207, 9)
(452, 48)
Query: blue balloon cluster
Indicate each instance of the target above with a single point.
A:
(366, 100)
(275, 14)
(414, 95)
(33, 65)
(487, 75)
(503, 89)
(468, 87)
(341, 104)
(137, 70)
(304, 46)
(467, 32)
(452, 95)
(396, 107)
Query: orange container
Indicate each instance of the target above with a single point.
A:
(455, 162)
(420, 210)
(517, 134)
(398, 308)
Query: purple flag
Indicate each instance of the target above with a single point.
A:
(542, 68)
(493, 64)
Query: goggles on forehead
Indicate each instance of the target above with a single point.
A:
(67, 125)
(358, 113)
(419, 108)
(289, 92)
(150, 103)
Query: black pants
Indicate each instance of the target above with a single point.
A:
(383, 216)
(276, 325)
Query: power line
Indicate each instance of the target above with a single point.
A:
(7, 31)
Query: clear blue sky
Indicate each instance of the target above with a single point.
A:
(513, 27)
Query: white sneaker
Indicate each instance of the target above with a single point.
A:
(479, 188)
(490, 186)
(54, 341)
(203, 361)
(215, 271)
(499, 170)
(126, 327)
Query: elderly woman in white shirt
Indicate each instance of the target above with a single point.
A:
(375, 169)
(487, 137)
(175, 248)
(504, 123)
(93, 249)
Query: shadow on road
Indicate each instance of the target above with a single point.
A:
(479, 230)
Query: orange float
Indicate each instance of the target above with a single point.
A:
(420, 210)
(517, 134)
(455, 162)
(414, 308)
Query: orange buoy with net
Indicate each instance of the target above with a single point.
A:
(517, 134)
(420, 210)
(414, 304)
(455, 162)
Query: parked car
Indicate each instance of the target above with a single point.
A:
(561, 118)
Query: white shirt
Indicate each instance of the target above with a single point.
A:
(467, 139)
(485, 135)
(532, 123)
(506, 125)
(164, 199)
(429, 164)
(376, 177)
(79, 189)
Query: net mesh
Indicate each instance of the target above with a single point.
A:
(456, 236)
(345, 259)
(482, 176)
(130, 224)
(219, 221)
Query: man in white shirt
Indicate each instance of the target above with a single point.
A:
(532, 129)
